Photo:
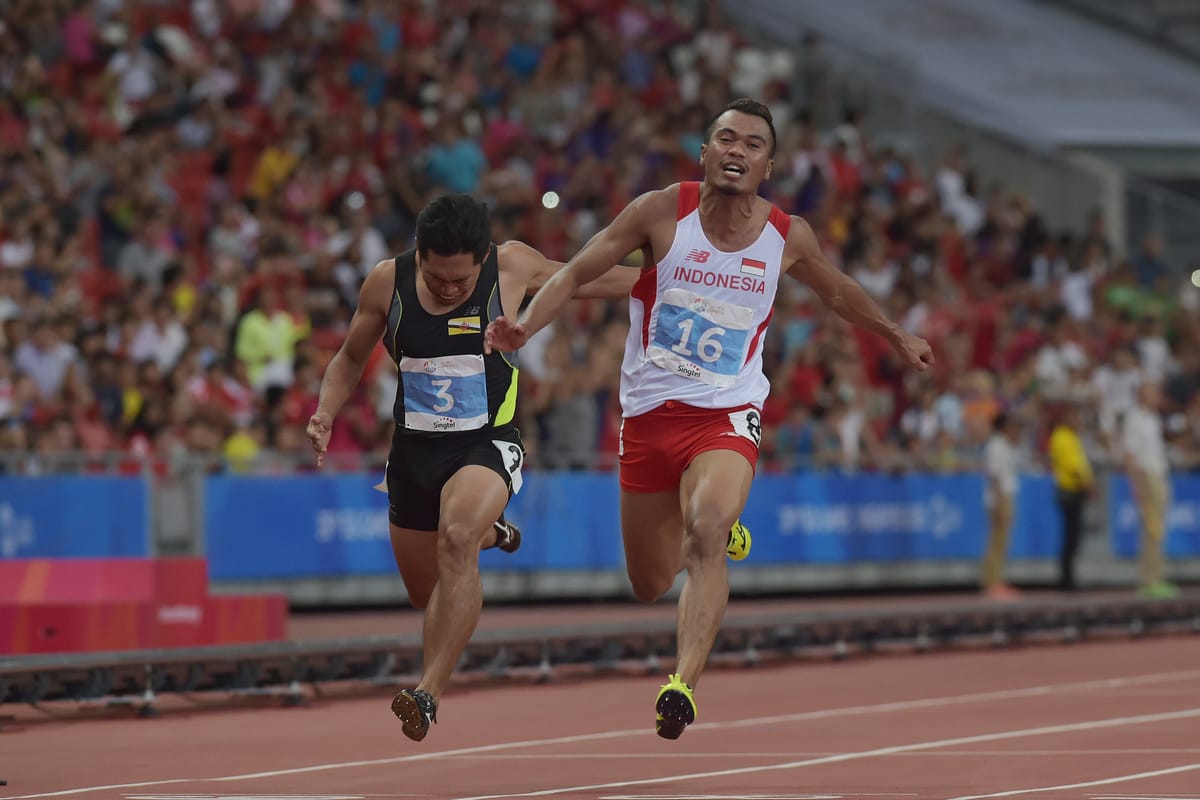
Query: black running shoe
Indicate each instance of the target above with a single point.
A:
(508, 535)
(416, 708)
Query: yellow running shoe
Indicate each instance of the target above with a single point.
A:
(676, 708)
(739, 541)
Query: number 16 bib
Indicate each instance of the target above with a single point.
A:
(700, 338)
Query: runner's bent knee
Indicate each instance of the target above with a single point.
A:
(706, 531)
(458, 544)
(648, 587)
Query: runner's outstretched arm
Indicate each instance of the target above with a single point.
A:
(628, 232)
(346, 367)
(617, 282)
(530, 269)
(844, 296)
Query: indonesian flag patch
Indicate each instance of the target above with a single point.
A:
(756, 268)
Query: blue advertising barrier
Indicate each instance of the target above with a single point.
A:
(838, 519)
(330, 525)
(73, 517)
(1183, 518)
(320, 525)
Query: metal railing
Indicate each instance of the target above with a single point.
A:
(283, 668)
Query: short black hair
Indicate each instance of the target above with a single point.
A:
(1000, 422)
(454, 224)
(745, 105)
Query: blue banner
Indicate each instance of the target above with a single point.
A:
(1037, 523)
(330, 525)
(73, 517)
(570, 520)
(839, 519)
(287, 527)
(1183, 518)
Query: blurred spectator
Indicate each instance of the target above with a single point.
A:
(1149, 265)
(1153, 349)
(1059, 356)
(266, 339)
(46, 358)
(799, 439)
(1145, 459)
(455, 162)
(1001, 466)
(1116, 382)
(191, 194)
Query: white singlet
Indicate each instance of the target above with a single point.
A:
(697, 318)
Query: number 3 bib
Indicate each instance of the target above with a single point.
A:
(444, 394)
(700, 338)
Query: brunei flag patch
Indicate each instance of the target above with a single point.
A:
(464, 325)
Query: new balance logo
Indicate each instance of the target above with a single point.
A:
(699, 256)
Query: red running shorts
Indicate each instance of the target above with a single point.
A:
(656, 447)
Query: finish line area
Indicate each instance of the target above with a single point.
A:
(1086, 697)
(541, 641)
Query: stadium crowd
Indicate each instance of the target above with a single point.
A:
(191, 193)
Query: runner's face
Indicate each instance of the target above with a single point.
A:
(737, 157)
(450, 279)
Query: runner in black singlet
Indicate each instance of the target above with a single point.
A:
(456, 456)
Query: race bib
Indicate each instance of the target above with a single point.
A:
(444, 394)
(747, 423)
(513, 457)
(700, 338)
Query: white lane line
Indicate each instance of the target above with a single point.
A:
(1111, 722)
(249, 796)
(1083, 785)
(107, 787)
(804, 716)
(813, 753)
(722, 797)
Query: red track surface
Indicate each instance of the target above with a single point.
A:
(1099, 720)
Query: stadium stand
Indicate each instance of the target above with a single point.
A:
(192, 193)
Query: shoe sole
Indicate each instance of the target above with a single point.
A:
(406, 709)
(675, 713)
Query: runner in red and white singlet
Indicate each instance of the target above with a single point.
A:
(692, 378)
(692, 384)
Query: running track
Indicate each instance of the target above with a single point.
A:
(1115, 720)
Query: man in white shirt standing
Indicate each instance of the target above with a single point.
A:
(1000, 464)
(1145, 454)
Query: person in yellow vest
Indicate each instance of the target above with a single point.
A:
(1074, 481)
(1145, 456)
